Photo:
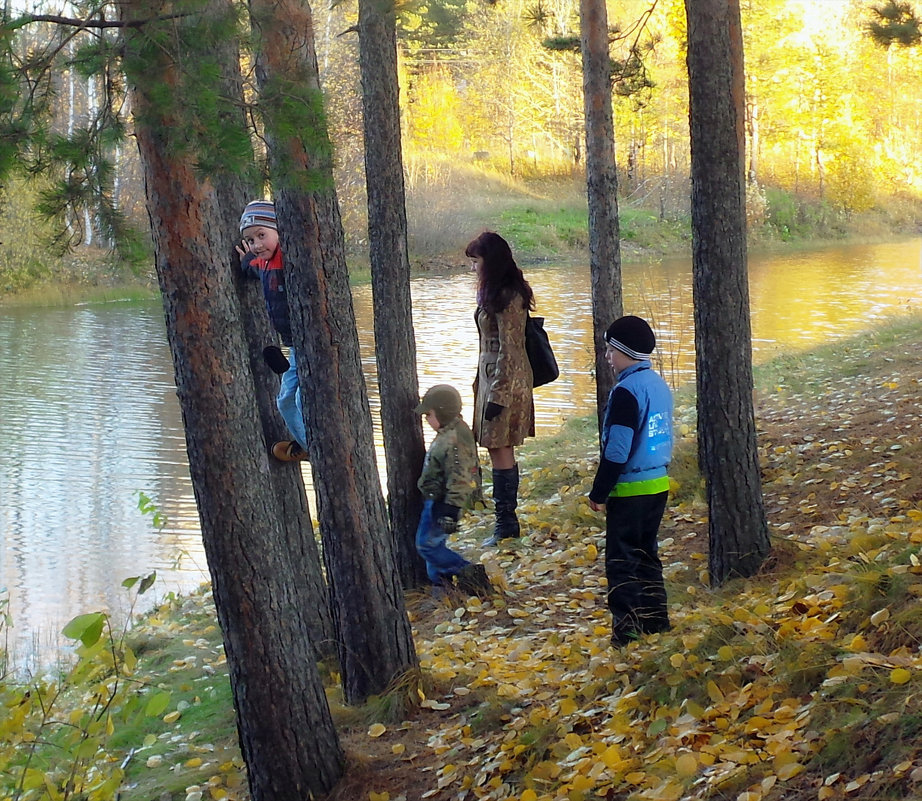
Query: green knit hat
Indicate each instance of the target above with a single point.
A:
(444, 400)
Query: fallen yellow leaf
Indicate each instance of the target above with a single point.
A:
(582, 783)
(858, 643)
(611, 756)
(789, 771)
(714, 692)
(686, 765)
(568, 706)
(900, 675)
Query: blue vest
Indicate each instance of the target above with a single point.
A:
(645, 450)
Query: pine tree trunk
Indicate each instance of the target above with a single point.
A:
(286, 478)
(727, 446)
(395, 343)
(286, 732)
(602, 188)
(376, 646)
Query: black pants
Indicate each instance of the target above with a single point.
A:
(636, 595)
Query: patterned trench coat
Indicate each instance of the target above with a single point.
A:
(504, 377)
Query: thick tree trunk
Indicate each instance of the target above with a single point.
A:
(395, 343)
(727, 447)
(376, 646)
(286, 732)
(287, 481)
(602, 188)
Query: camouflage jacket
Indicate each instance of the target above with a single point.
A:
(451, 470)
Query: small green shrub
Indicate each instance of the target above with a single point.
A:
(791, 217)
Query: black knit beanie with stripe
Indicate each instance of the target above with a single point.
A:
(632, 336)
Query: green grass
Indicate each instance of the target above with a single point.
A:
(544, 230)
(175, 645)
(809, 371)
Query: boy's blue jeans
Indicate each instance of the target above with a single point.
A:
(430, 544)
(289, 402)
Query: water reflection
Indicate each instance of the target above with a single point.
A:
(89, 416)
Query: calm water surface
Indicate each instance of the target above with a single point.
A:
(89, 416)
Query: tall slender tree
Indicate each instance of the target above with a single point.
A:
(395, 343)
(727, 446)
(183, 133)
(602, 187)
(376, 644)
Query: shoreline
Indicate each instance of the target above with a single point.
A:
(58, 295)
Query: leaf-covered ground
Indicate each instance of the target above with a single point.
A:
(800, 683)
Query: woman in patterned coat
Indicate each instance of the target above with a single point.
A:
(504, 412)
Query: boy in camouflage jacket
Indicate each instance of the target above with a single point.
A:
(449, 482)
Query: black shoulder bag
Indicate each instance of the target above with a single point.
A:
(540, 353)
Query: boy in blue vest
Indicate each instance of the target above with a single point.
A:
(261, 257)
(631, 483)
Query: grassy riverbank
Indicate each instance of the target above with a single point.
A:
(802, 682)
(544, 219)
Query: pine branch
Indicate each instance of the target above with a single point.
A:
(895, 23)
(75, 22)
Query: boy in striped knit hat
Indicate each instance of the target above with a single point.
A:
(261, 257)
(631, 484)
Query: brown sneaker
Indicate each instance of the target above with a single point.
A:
(289, 451)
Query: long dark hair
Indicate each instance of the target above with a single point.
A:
(500, 279)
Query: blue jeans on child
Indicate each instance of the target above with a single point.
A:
(430, 544)
(289, 402)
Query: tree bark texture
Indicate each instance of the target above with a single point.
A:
(286, 479)
(395, 341)
(376, 644)
(602, 188)
(286, 732)
(727, 446)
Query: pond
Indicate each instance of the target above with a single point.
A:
(90, 423)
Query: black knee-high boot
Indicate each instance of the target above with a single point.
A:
(505, 500)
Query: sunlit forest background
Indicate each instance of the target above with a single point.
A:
(492, 113)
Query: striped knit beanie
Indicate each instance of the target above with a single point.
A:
(259, 212)
(632, 336)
